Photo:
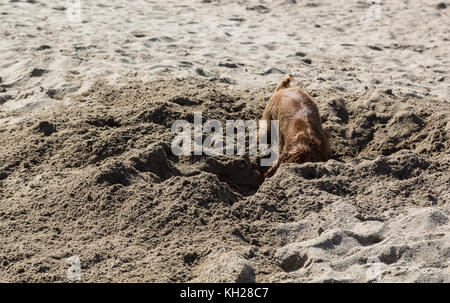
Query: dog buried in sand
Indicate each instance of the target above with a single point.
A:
(301, 138)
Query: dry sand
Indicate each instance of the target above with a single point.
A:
(86, 168)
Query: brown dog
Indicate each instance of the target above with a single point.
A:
(302, 138)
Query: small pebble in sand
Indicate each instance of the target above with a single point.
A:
(43, 47)
(320, 231)
(200, 71)
(138, 34)
(46, 128)
(59, 8)
(51, 92)
(228, 64)
(37, 72)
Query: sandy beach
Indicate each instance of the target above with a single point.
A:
(88, 94)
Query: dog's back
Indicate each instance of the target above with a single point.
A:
(302, 137)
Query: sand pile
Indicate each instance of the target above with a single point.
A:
(97, 180)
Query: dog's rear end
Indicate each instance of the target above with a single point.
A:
(302, 138)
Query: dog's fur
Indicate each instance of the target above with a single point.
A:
(302, 138)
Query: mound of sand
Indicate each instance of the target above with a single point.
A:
(97, 180)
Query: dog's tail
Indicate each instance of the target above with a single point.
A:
(284, 84)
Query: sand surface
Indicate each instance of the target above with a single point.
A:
(86, 169)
